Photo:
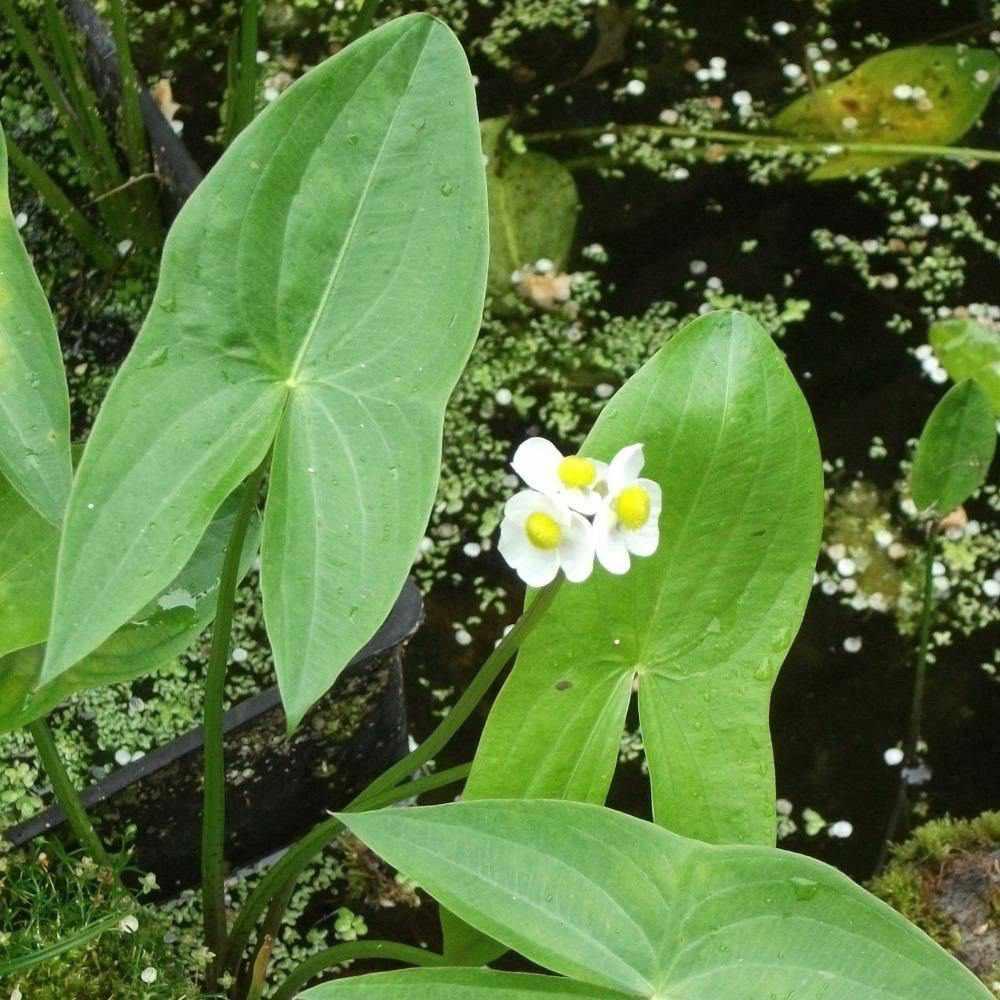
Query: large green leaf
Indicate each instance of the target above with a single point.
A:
(28, 548)
(153, 638)
(968, 349)
(34, 403)
(533, 206)
(320, 292)
(955, 449)
(621, 904)
(457, 984)
(955, 85)
(701, 627)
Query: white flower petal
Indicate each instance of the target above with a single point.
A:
(536, 461)
(655, 497)
(625, 467)
(609, 544)
(539, 567)
(521, 505)
(586, 501)
(577, 550)
(514, 544)
(645, 540)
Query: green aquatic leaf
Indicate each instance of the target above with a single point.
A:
(152, 639)
(624, 905)
(320, 293)
(969, 349)
(701, 627)
(456, 984)
(34, 402)
(533, 205)
(952, 85)
(955, 449)
(28, 548)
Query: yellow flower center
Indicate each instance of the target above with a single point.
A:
(543, 531)
(577, 472)
(632, 507)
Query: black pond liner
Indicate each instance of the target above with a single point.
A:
(277, 786)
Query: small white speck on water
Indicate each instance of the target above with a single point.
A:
(846, 566)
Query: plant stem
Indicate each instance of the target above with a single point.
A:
(282, 875)
(911, 746)
(245, 85)
(69, 943)
(465, 705)
(388, 951)
(66, 795)
(213, 827)
(384, 790)
(363, 22)
(765, 139)
(143, 201)
(59, 203)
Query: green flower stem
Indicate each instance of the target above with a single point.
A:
(388, 951)
(386, 789)
(464, 707)
(213, 826)
(66, 795)
(910, 749)
(912, 742)
(750, 139)
(69, 943)
(275, 887)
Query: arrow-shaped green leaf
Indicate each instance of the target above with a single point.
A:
(623, 905)
(955, 449)
(152, 639)
(457, 984)
(34, 403)
(702, 626)
(320, 293)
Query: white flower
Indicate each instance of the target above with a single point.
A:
(571, 479)
(128, 925)
(539, 536)
(629, 520)
(148, 975)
